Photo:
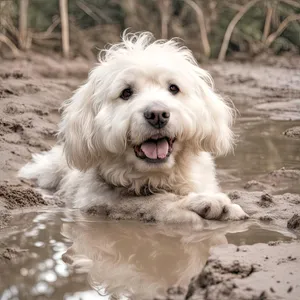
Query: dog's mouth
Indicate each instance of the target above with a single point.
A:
(156, 149)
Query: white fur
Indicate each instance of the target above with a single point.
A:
(95, 166)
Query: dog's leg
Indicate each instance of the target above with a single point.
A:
(170, 208)
(163, 208)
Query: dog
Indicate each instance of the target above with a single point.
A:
(137, 140)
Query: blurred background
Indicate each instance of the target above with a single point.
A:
(214, 29)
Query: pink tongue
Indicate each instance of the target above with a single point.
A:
(156, 150)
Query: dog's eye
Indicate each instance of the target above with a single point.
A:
(174, 89)
(126, 94)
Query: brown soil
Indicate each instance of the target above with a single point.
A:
(249, 272)
(293, 132)
(31, 92)
(256, 272)
(12, 255)
(294, 222)
(276, 209)
(15, 197)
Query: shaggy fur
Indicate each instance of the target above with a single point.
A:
(96, 167)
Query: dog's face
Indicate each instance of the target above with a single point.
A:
(146, 103)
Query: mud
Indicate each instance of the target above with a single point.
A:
(263, 176)
(293, 132)
(249, 272)
(31, 92)
(14, 197)
(275, 209)
(260, 271)
(12, 255)
(294, 222)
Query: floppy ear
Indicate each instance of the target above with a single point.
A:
(219, 137)
(76, 128)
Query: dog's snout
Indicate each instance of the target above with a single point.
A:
(158, 118)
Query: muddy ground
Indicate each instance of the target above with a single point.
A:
(31, 92)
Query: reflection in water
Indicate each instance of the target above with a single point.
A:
(31, 263)
(123, 260)
(132, 260)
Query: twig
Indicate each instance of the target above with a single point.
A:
(9, 26)
(23, 14)
(292, 3)
(47, 33)
(88, 11)
(102, 15)
(231, 26)
(63, 6)
(164, 9)
(201, 22)
(268, 21)
(10, 44)
(272, 37)
(233, 6)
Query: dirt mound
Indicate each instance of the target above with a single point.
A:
(276, 209)
(19, 197)
(5, 217)
(257, 272)
(294, 222)
(284, 173)
(276, 181)
(293, 132)
(9, 255)
(254, 185)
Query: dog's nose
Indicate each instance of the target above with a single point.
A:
(158, 118)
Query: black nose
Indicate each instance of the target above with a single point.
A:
(157, 118)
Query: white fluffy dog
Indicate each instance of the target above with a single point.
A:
(135, 140)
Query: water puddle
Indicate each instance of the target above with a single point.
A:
(261, 148)
(61, 255)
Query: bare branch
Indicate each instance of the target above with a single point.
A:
(272, 37)
(231, 26)
(47, 33)
(292, 3)
(201, 22)
(268, 21)
(88, 11)
(23, 14)
(63, 5)
(10, 44)
(164, 7)
(100, 14)
(233, 6)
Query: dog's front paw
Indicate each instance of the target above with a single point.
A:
(233, 212)
(214, 207)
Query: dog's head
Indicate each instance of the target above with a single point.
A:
(147, 103)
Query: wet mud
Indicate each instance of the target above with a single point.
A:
(262, 271)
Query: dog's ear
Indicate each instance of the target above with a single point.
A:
(76, 127)
(218, 138)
